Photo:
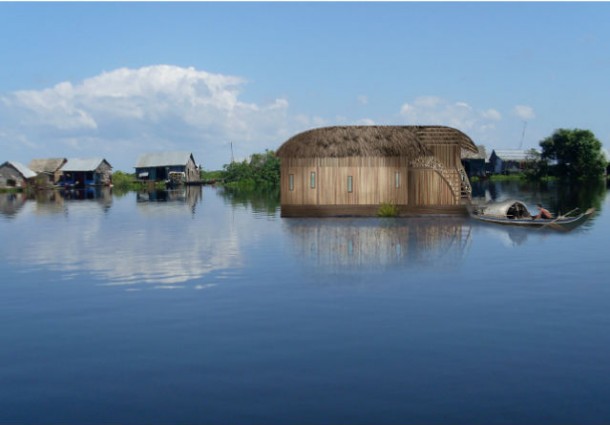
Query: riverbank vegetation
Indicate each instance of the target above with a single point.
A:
(260, 171)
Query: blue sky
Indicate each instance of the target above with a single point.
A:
(115, 80)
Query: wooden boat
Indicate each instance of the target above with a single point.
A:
(515, 213)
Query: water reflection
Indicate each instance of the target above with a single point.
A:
(12, 203)
(164, 250)
(183, 199)
(57, 201)
(380, 243)
(260, 202)
(556, 195)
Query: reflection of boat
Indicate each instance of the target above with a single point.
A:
(515, 213)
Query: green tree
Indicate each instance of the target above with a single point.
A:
(578, 154)
(535, 166)
(262, 170)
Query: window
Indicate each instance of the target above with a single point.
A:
(350, 184)
(312, 180)
(291, 182)
(397, 179)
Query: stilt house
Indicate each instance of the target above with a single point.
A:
(509, 161)
(48, 170)
(14, 174)
(80, 173)
(352, 170)
(159, 166)
(475, 163)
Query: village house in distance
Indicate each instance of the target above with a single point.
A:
(173, 167)
(352, 170)
(14, 174)
(48, 170)
(81, 173)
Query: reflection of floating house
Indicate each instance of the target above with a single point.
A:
(368, 244)
(162, 166)
(81, 173)
(48, 169)
(15, 175)
(352, 170)
(475, 163)
(509, 161)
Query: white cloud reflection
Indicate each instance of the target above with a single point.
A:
(158, 244)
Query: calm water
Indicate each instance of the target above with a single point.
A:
(206, 307)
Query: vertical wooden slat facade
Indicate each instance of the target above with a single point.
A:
(373, 181)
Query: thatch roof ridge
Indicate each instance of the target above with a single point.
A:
(480, 154)
(367, 141)
(46, 165)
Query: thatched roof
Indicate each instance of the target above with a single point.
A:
(480, 154)
(365, 141)
(46, 165)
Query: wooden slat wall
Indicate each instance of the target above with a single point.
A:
(448, 155)
(429, 188)
(373, 181)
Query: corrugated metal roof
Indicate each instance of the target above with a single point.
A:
(512, 154)
(80, 164)
(163, 159)
(25, 171)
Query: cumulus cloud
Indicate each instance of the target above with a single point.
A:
(126, 112)
(432, 110)
(524, 112)
(480, 124)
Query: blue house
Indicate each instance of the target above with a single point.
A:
(81, 173)
(161, 166)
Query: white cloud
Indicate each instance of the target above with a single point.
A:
(481, 124)
(365, 121)
(363, 100)
(126, 112)
(492, 114)
(524, 112)
(432, 110)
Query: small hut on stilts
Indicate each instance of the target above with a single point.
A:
(353, 170)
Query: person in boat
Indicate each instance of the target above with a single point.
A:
(542, 213)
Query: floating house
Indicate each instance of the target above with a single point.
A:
(475, 163)
(14, 174)
(509, 161)
(164, 166)
(48, 170)
(80, 173)
(352, 170)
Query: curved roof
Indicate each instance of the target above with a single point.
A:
(501, 209)
(376, 141)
